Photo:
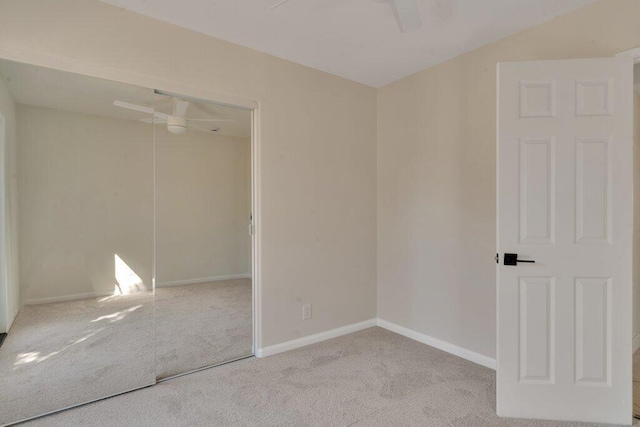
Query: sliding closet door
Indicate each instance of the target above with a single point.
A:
(82, 187)
(203, 245)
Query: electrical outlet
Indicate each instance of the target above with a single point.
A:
(306, 312)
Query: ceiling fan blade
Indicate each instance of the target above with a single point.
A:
(134, 107)
(407, 14)
(165, 100)
(278, 4)
(191, 125)
(212, 120)
(142, 109)
(155, 120)
(180, 107)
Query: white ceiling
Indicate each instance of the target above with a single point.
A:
(44, 87)
(355, 39)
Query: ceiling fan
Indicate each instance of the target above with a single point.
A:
(177, 122)
(406, 13)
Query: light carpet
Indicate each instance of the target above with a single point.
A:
(202, 324)
(61, 354)
(370, 378)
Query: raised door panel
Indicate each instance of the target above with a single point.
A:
(537, 190)
(593, 331)
(537, 330)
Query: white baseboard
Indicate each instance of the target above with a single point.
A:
(72, 297)
(316, 338)
(202, 280)
(472, 356)
(636, 343)
(464, 353)
(36, 301)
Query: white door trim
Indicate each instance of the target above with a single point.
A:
(633, 53)
(256, 226)
(5, 311)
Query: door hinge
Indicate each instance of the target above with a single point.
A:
(497, 259)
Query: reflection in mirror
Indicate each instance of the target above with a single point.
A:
(78, 294)
(203, 246)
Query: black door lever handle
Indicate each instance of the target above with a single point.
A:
(512, 259)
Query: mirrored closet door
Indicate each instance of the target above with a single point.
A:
(203, 244)
(125, 244)
(77, 241)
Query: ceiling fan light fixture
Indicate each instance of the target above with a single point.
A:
(176, 125)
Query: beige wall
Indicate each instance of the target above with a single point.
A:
(436, 175)
(85, 195)
(203, 202)
(317, 153)
(10, 214)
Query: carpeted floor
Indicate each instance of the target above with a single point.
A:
(61, 354)
(202, 325)
(369, 378)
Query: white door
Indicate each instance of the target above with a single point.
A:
(565, 201)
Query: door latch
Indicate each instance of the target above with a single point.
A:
(512, 259)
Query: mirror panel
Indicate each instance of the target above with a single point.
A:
(131, 259)
(80, 257)
(203, 245)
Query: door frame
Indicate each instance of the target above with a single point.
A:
(5, 305)
(190, 90)
(635, 55)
